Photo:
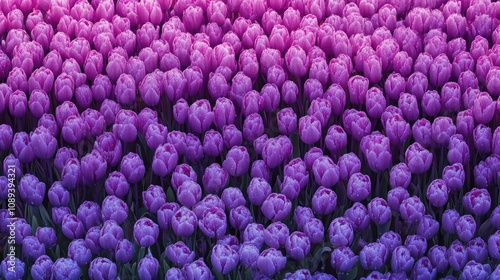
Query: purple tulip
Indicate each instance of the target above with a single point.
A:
(373, 256)
(477, 201)
(412, 209)
(145, 232)
(341, 232)
(237, 161)
(224, 259)
(65, 268)
(270, 261)
(102, 268)
(184, 222)
(276, 207)
(379, 211)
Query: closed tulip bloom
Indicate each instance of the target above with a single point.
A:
(324, 201)
(477, 201)
(109, 147)
(189, 193)
(422, 131)
(200, 116)
(336, 139)
(258, 190)
(154, 197)
(437, 193)
(6, 137)
(477, 250)
(326, 172)
(431, 103)
(458, 150)
(418, 158)
(440, 70)
(270, 261)
(314, 230)
(32, 248)
(269, 58)
(449, 220)
(18, 104)
(417, 245)
(321, 109)
(42, 79)
(394, 86)
(492, 81)
(253, 127)
(71, 174)
(74, 129)
(213, 222)
(309, 129)
(296, 61)
(42, 268)
(465, 228)
(483, 175)
(395, 197)
(165, 159)
(376, 149)
(450, 97)
(482, 138)
(72, 227)
(179, 254)
(400, 176)
(65, 268)
(313, 89)
(58, 195)
(101, 88)
(465, 123)
(184, 222)
(79, 252)
(145, 232)
(109, 109)
(182, 173)
(372, 68)
(379, 211)
(224, 258)
(442, 129)
(428, 227)
(18, 80)
(58, 213)
(95, 124)
(102, 268)
(124, 251)
(457, 255)
(341, 232)
(375, 103)
(114, 209)
(237, 161)
(92, 239)
(31, 190)
(148, 267)
(343, 259)
(412, 209)
(397, 129)
(401, 259)
(358, 187)
(494, 217)
(475, 270)
(437, 257)
(409, 106)
(483, 108)
(297, 245)
(358, 216)
(156, 135)
(373, 256)
(132, 167)
(125, 127)
(276, 207)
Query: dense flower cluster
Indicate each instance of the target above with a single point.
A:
(250, 139)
